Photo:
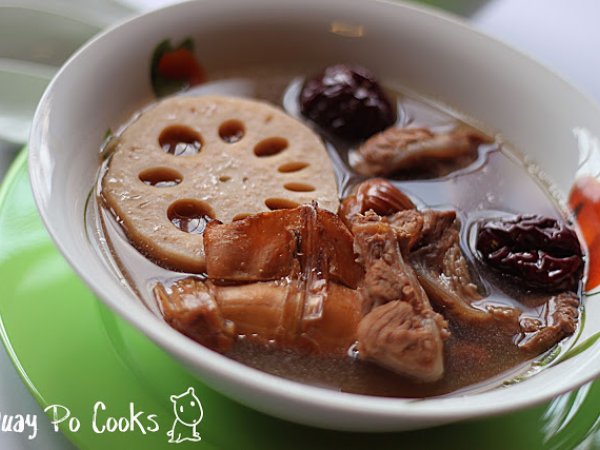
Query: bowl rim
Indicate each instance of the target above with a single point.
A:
(429, 410)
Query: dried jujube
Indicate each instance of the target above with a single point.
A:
(540, 252)
(346, 101)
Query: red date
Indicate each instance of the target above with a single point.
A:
(539, 252)
(346, 101)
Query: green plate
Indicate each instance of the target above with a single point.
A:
(72, 351)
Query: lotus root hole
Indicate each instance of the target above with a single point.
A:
(280, 203)
(180, 140)
(160, 177)
(299, 187)
(232, 131)
(270, 146)
(190, 216)
(240, 216)
(290, 167)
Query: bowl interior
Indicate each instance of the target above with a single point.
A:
(434, 55)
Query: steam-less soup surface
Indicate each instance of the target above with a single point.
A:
(474, 335)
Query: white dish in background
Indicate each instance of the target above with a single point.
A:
(40, 36)
(97, 13)
(21, 87)
(33, 45)
(428, 52)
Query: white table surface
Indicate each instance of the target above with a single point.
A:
(562, 34)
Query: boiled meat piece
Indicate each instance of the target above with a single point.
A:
(386, 274)
(190, 307)
(270, 313)
(269, 246)
(408, 227)
(395, 337)
(418, 152)
(257, 248)
(444, 274)
(284, 278)
(435, 223)
(398, 311)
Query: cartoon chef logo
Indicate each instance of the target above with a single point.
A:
(188, 414)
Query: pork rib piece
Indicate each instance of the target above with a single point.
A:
(270, 312)
(190, 307)
(393, 336)
(267, 246)
(400, 330)
(418, 151)
(299, 276)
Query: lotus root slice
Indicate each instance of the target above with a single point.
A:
(188, 160)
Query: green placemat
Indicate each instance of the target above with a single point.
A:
(73, 352)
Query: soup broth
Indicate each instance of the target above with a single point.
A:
(497, 184)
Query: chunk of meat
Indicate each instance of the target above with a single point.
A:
(272, 312)
(408, 226)
(267, 246)
(435, 224)
(190, 307)
(258, 248)
(444, 274)
(328, 248)
(431, 241)
(389, 280)
(396, 337)
(279, 313)
(386, 275)
(560, 316)
(418, 152)
(289, 262)
(439, 262)
(439, 249)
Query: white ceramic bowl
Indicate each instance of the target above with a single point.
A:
(430, 53)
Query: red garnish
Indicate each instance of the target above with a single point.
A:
(584, 200)
(181, 65)
(174, 68)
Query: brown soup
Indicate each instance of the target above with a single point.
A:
(497, 184)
